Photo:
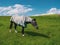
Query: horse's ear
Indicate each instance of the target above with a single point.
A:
(34, 19)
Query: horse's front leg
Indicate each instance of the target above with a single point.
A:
(15, 25)
(22, 31)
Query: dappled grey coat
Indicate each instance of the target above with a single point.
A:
(20, 20)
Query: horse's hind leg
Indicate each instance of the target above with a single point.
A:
(15, 25)
(11, 24)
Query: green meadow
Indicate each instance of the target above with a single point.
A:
(47, 34)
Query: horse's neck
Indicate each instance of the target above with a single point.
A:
(28, 19)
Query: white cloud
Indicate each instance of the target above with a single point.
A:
(15, 10)
(49, 12)
(53, 11)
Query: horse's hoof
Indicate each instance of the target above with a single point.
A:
(23, 35)
(15, 31)
(9, 30)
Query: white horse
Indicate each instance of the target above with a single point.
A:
(22, 21)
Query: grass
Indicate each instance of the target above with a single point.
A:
(48, 33)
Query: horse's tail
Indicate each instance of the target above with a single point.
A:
(11, 22)
(11, 18)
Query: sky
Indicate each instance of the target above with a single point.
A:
(29, 7)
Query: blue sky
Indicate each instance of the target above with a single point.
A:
(38, 6)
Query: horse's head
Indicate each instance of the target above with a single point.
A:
(34, 23)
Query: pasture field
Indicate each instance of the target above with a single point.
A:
(47, 34)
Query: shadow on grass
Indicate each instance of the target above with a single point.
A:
(36, 34)
(1, 25)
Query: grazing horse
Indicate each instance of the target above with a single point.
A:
(22, 21)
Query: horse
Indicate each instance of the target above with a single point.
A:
(22, 21)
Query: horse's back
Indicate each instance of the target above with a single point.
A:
(17, 18)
